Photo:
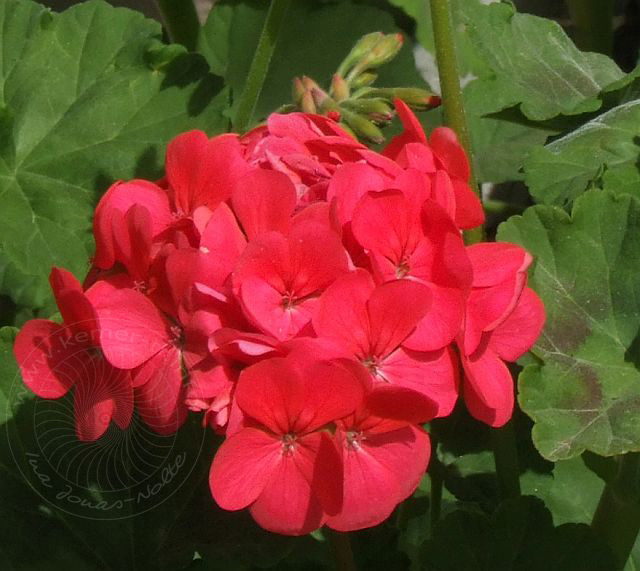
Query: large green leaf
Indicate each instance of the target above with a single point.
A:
(520, 536)
(585, 392)
(562, 170)
(314, 39)
(87, 96)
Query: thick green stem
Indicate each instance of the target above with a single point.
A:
(505, 455)
(593, 20)
(454, 115)
(260, 64)
(617, 517)
(341, 548)
(181, 21)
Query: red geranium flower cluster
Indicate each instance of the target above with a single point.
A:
(311, 296)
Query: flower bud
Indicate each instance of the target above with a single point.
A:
(385, 50)
(297, 90)
(364, 79)
(412, 96)
(363, 46)
(362, 127)
(339, 88)
(376, 109)
(307, 104)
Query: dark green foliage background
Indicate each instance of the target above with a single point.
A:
(93, 94)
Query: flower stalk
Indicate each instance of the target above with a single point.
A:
(453, 107)
(593, 20)
(180, 19)
(617, 517)
(505, 454)
(260, 64)
(341, 549)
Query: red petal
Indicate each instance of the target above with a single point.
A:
(265, 307)
(349, 183)
(449, 152)
(295, 396)
(391, 317)
(202, 171)
(380, 472)
(400, 403)
(264, 200)
(517, 334)
(50, 360)
(159, 399)
(496, 262)
(132, 329)
(223, 238)
(76, 310)
(469, 211)
(119, 198)
(488, 388)
(242, 467)
(102, 393)
(341, 313)
(434, 374)
(288, 504)
(387, 223)
(441, 324)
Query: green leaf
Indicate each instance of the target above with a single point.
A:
(562, 170)
(314, 39)
(584, 394)
(87, 96)
(534, 64)
(520, 536)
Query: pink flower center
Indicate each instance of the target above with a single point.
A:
(288, 444)
(176, 335)
(354, 439)
(140, 286)
(403, 269)
(289, 300)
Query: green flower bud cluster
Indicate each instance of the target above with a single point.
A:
(351, 99)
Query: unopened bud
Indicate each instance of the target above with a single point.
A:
(364, 79)
(339, 88)
(385, 50)
(307, 104)
(412, 96)
(297, 90)
(377, 109)
(362, 127)
(362, 47)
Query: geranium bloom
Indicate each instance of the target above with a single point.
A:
(54, 358)
(412, 238)
(370, 323)
(284, 464)
(504, 318)
(279, 277)
(444, 160)
(384, 459)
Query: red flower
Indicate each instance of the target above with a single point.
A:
(54, 358)
(285, 467)
(408, 237)
(279, 277)
(372, 323)
(504, 319)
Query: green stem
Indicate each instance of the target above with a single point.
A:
(180, 19)
(593, 20)
(505, 455)
(617, 517)
(260, 64)
(341, 548)
(454, 115)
